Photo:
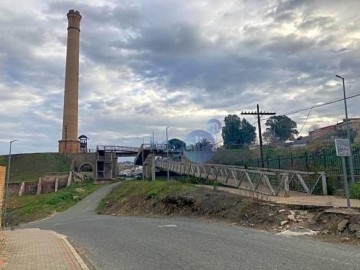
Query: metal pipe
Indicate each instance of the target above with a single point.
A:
(346, 186)
(7, 183)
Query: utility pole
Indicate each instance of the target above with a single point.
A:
(259, 114)
(167, 155)
(348, 133)
(142, 161)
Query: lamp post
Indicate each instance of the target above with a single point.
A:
(167, 155)
(7, 182)
(348, 132)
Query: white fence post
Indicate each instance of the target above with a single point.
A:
(22, 189)
(324, 183)
(56, 184)
(38, 192)
(286, 184)
(69, 179)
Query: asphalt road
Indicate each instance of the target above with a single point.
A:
(167, 243)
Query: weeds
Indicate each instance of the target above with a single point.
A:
(141, 189)
(32, 207)
(151, 194)
(355, 191)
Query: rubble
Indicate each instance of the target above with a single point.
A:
(354, 227)
(342, 225)
(282, 223)
(298, 231)
(291, 218)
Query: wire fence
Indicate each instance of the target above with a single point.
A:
(322, 160)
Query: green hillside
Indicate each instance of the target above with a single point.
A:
(29, 167)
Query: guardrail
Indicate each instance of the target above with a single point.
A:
(270, 182)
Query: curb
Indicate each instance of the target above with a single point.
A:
(73, 251)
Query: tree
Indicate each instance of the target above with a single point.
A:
(176, 144)
(204, 145)
(269, 137)
(280, 128)
(237, 132)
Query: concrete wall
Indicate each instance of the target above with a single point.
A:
(81, 159)
(14, 188)
(30, 188)
(47, 185)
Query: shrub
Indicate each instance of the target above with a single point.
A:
(59, 198)
(151, 194)
(355, 191)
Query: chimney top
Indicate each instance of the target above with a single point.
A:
(74, 12)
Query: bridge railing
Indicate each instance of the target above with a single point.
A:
(114, 148)
(270, 182)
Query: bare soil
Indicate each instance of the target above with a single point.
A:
(330, 224)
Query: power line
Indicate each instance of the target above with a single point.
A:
(305, 121)
(314, 106)
(321, 105)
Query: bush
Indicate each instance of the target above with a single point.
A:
(151, 194)
(57, 199)
(355, 191)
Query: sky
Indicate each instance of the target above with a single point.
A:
(150, 64)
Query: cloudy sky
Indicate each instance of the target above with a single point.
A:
(148, 64)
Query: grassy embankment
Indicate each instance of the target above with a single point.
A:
(161, 198)
(137, 191)
(31, 207)
(29, 167)
(158, 198)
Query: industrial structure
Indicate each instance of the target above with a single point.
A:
(69, 142)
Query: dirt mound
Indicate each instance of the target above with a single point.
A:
(202, 202)
(250, 212)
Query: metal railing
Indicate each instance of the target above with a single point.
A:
(270, 182)
(114, 148)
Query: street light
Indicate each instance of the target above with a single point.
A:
(7, 182)
(167, 155)
(348, 133)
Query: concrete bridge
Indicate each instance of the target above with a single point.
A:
(102, 163)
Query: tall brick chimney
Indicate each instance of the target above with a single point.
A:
(69, 142)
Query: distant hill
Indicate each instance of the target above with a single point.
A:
(29, 167)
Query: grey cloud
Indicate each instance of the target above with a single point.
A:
(284, 10)
(122, 15)
(166, 46)
(146, 109)
(323, 22)
(129, 16)
(178, 99)
(178, 39)
(290, 44)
